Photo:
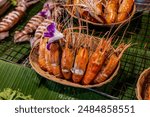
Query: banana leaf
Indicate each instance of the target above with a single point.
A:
(27, 81)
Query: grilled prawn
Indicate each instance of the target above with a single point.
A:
(55, 56)
(111, 64)
(49, 50)
(47, 60)
(111, 11)
(68, 57)
(41, 58)
(80, 64)
(96, 61)
(14, 17)
(124, 9)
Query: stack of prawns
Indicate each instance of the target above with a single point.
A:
(75, 59)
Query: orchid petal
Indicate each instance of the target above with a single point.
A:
(48, 34)
(51, 27)
(57, 36)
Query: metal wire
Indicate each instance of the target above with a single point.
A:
(133, 62)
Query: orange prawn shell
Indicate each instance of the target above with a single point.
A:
(82, 58)
(110, 67)
(81, 61)
(94, 65)
(41, 58)
(124, 10)
(67, 62)
(111, 11)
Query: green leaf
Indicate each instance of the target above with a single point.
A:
(28, 82)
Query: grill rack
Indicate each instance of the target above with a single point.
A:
(133, 62)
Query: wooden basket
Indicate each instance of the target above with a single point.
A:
(141, 82)
(33, 58)
(102, 24)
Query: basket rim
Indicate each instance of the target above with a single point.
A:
(138, 86)
(48, 76)
(107, 25)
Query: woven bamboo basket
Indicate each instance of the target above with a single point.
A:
(131, 14)
(33, 58)
(141, 84)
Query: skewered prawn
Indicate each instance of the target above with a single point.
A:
(96, 61)
(111, 11)
(111, 64)
(68, 57)
(13, 17)
(124, 9)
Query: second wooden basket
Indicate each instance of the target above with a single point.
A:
(128, 19)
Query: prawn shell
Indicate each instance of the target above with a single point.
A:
(140, 92)
(55, 55)
(67, 62)
(41, 57)
(80, 64)
(112, 63)
(124, 10)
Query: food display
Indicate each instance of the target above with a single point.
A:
(143, 85)
(83, 60)
(102, 12)
(55, 38)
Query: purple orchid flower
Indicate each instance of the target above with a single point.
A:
(53, 34)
